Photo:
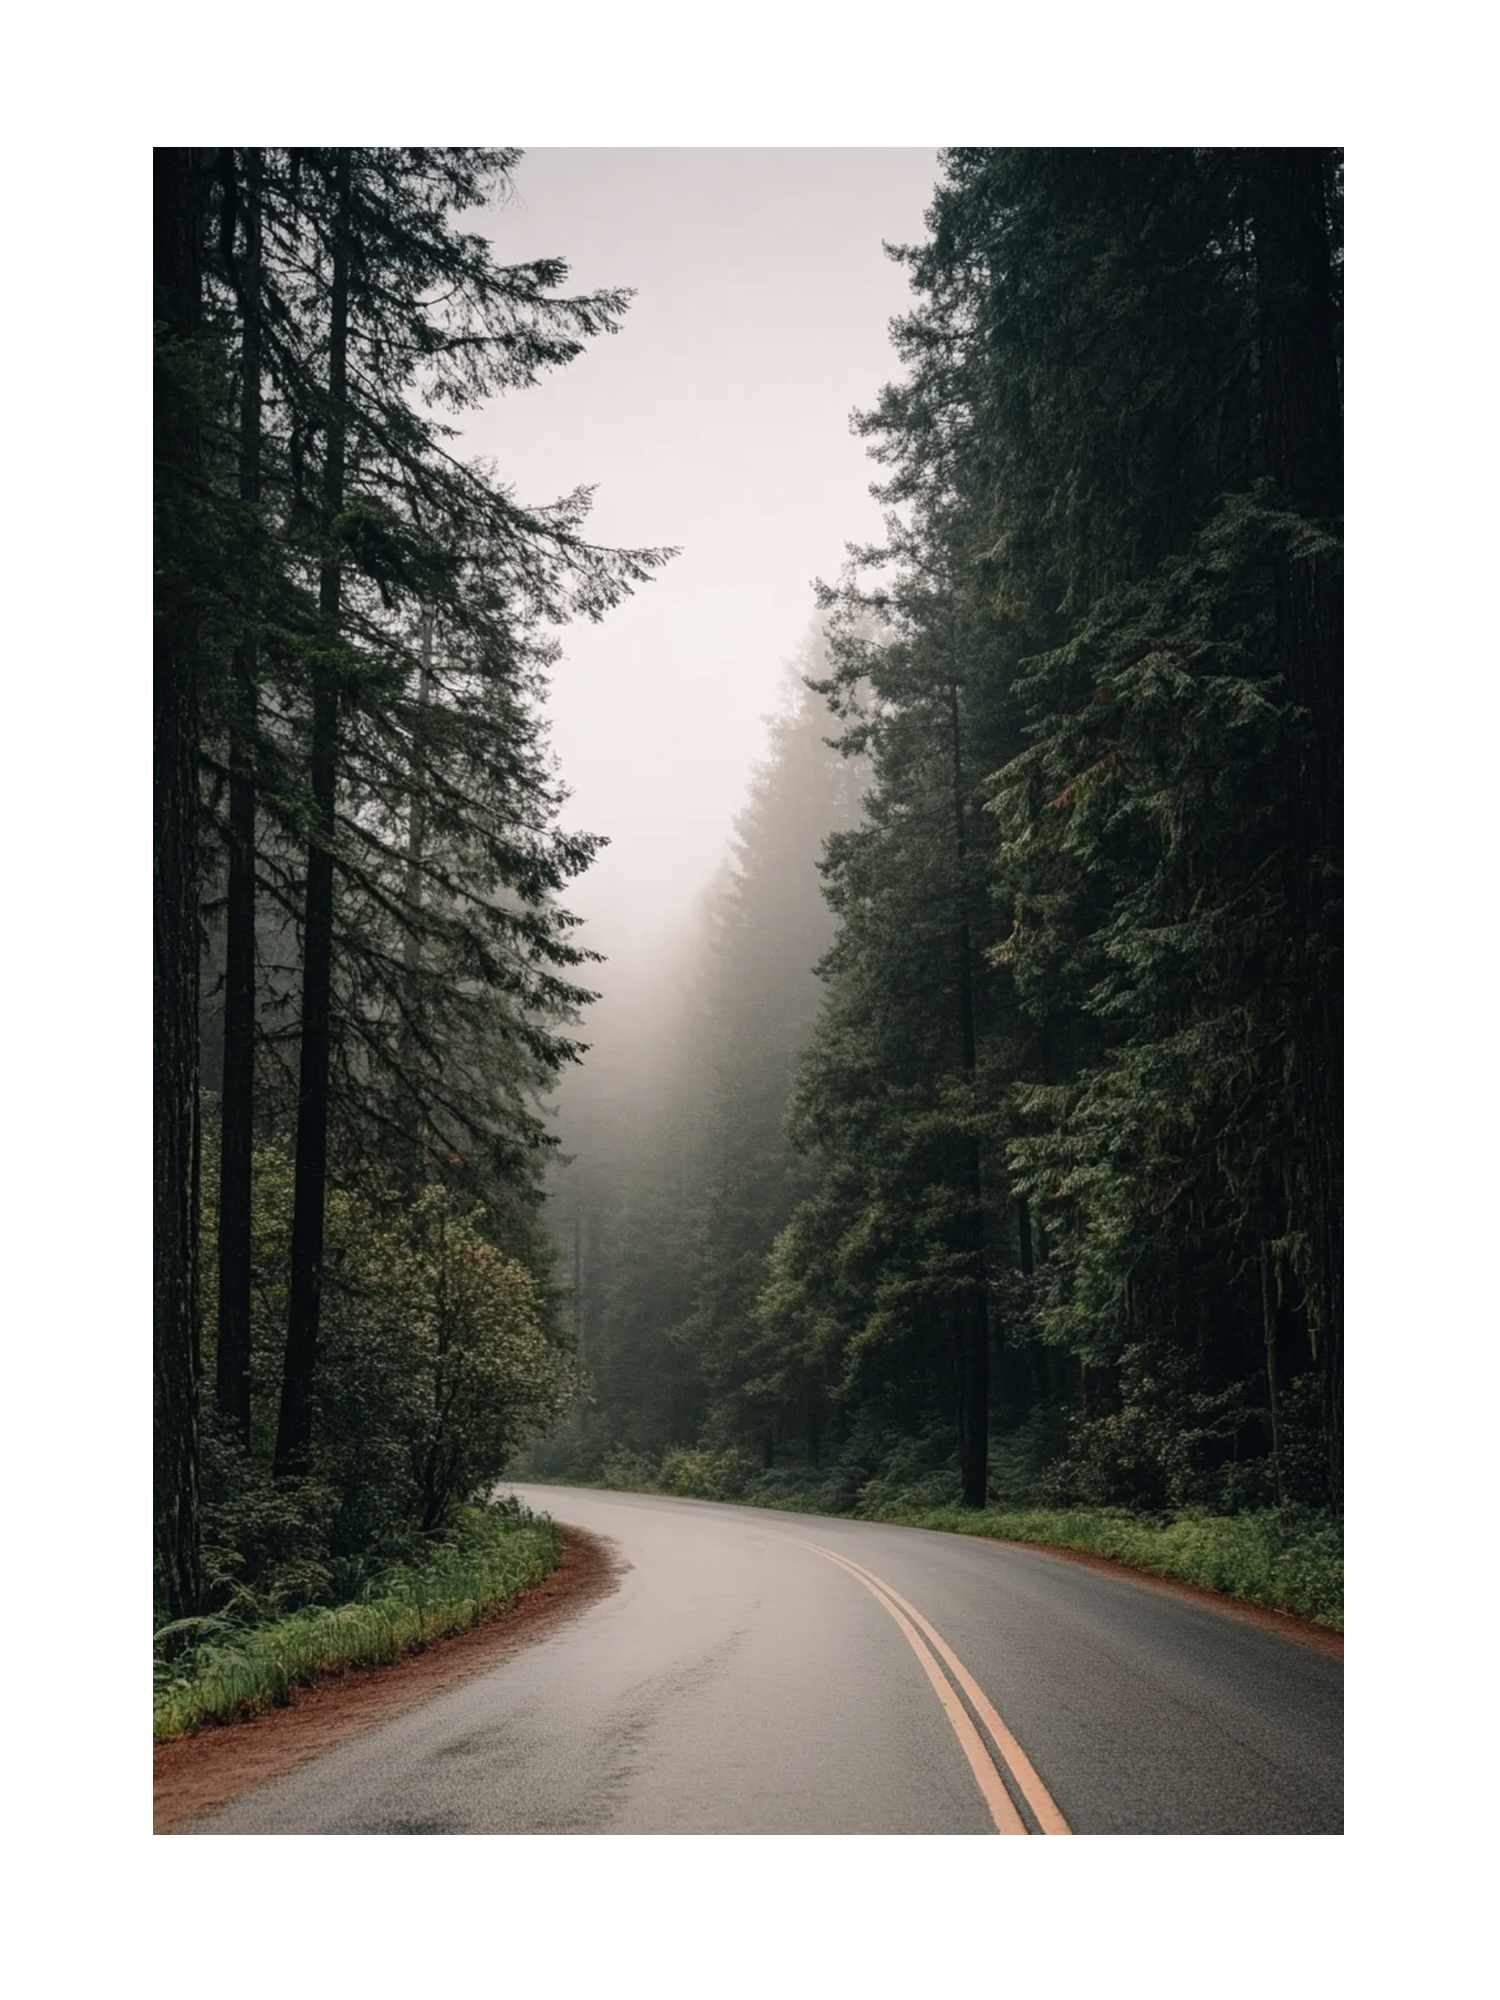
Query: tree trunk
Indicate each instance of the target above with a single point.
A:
(1302, 431)
(410, 1112)
(237, 1102)
(1273, 1388)
(974, 1430)
(181, 189)
(578, 1284)
(1023, 1236)
(294, 1427)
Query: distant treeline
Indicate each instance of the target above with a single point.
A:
(1039, 1192)
(363, 975)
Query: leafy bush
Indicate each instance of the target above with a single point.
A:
(436, 1368)
(267, 1543)
(918, 1472)
(433, 1367)
(629, 1472)
(1169, 1447)
(705, 1474)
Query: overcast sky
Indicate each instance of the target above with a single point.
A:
(717, 420)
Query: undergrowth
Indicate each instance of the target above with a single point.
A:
(228, 1667)
(1289, 1559)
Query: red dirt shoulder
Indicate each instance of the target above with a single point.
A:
(197, 1774)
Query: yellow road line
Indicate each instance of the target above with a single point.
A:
(1022, 1770)
(1031, 1788)
(1002, 1811)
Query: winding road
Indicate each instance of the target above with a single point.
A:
(760, 1672)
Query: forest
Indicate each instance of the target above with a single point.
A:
(1000, 1157)
(364, 974)
(988, 1149)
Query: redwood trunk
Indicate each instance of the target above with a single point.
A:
(974, 1430)
(294, 1427)
(410, 1109)
(232, 1383)
(181, 187)
(1302, 420)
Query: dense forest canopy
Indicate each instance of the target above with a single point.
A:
(992, 1143)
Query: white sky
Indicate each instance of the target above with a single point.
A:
(717, 421)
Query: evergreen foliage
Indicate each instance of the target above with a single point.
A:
(356, 619)
(681, 1182)
(1114, 557)
(1069, 1188)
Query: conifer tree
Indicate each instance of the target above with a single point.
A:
(1098, 359)
(387, 822)
(758, 1002)
(1114, 579)
(237, 1129)
(683, 1177)
(185, 538)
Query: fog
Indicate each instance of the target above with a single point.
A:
(716, 421)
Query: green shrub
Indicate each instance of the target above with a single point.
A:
(433, 1367)
(705, 1474)
(629, 1472)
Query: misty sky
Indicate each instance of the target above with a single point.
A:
(717, 421)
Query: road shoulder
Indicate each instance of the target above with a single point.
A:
(1304, 1630)
(197, 1774)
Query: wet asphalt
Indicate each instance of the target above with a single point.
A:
(736, 1682)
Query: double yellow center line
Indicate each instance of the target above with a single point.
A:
(930, 1648)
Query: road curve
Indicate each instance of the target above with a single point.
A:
(760, 1672)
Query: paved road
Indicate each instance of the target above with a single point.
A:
(886, 1680)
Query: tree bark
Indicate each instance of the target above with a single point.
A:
(411, 948)
(1302, 433)
(237, 1102)
(304, 1305)
(1273, 1388)
(974, 1430)
(181, 177)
